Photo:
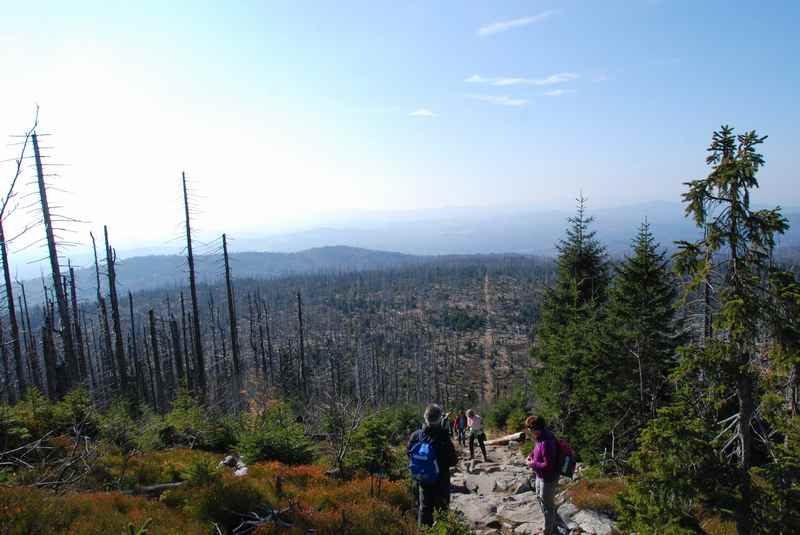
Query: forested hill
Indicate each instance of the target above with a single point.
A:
(169, 271)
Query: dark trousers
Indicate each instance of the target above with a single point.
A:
(481, 436)
(462, 436)
(436, 496)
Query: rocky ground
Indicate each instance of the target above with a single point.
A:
(495, 497)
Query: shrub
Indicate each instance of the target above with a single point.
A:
(597, 494)
(273, 434)
(673, 465)
(447, 523)
(118, 428)
(372, 450)
(508, 414)
(189, 424)
(201, 472)
(76, 412)
(224, 502)
(28, 511)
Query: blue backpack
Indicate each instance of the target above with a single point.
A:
(423, 466)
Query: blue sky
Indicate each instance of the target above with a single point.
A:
(286, 112)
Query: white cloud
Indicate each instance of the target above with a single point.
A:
(422, 112)
(553, 79)
(558, 92)
(502, 100)
(476, 79)
(505, 25)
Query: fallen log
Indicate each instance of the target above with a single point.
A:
(503, 441)
(154, 491)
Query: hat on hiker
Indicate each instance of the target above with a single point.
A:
(535, 422)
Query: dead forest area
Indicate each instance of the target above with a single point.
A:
(116, 411)
(249, 405)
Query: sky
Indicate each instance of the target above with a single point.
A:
(286, 113)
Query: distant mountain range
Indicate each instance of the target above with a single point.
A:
(361, 241)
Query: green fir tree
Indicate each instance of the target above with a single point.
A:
(643, 334)
(569, 374)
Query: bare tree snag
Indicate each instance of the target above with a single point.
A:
(108, 360)
(158, 395)
(61, 300)
(232, 317)
(302, 355)
(33, 356)
(12, 317)
(82, 367)
(119, 345)
(200, 365)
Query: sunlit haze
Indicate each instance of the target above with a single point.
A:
(287, 115)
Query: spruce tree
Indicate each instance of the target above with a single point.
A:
(569, 375)
(643, 335)
(721, 386)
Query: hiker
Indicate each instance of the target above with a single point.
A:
(447, 424)
(544, 461)
(475, 423)
(461, 428)
(436, 494)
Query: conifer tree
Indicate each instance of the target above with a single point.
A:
(569, 375)
(644, 334)
(720, 391)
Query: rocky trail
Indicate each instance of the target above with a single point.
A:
(495, 497)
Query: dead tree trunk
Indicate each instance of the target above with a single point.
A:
(158, 395)
(12, 318)
(232, 318)
(302, 355)
(61, 300)
(49, 352)
(186, 346)
(176, 350)
(200, 365)
(119, 344)
(82, 368)
(33, 355)
(137, 365)
(108, 361)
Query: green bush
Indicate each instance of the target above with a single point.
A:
(201, 472)
(226, 501)
(672, 469)
(508, 414)
(273, 435)
(189, 424)
(372, 449)
(76, 412)
(447, 523)
(403, 420)
(118, 426)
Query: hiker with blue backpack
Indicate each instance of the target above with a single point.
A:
(550, 459)
(431, 455)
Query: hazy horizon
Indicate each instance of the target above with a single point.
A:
(287, 117)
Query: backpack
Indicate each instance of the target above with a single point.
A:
(566, 458)
(424, 467)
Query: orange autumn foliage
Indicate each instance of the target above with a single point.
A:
(28, 511)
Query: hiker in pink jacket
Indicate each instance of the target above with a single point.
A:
(544, 461)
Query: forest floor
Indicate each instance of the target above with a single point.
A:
(495, 497)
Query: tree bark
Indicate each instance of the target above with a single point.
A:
(200, 366)
(61, 300)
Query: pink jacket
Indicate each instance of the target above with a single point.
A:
(544, 457)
